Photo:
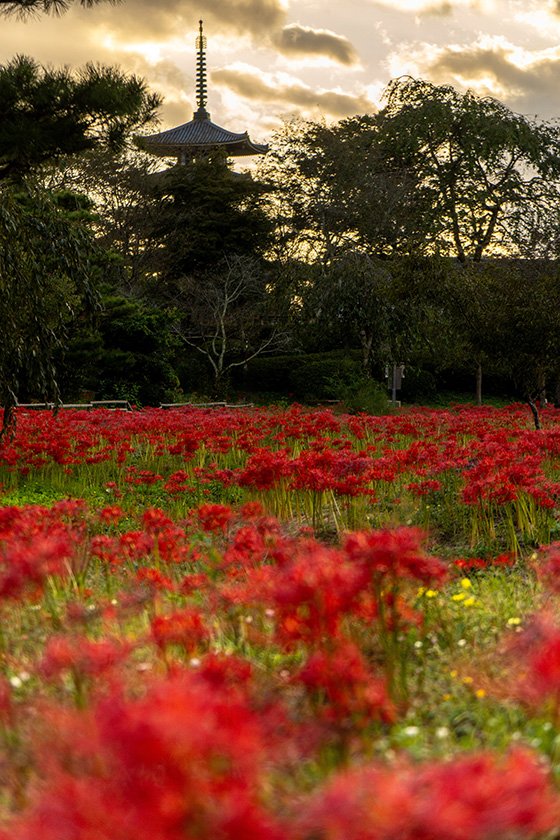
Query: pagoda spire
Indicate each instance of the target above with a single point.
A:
(201, 88)
(200, 137)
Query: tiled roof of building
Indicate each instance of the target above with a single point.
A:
(200, 135)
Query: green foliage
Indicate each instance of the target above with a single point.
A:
(304, 377)
(46, 113)
(365, 396)
(205, 213)
(435, 171)
(525, 333)
(271, 373)
(325, 379)
(418, 385)
(44, 283)
(352, 301)
(333, 192)
(127, 355)
(480, 161)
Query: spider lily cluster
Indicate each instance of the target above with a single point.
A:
(212, 667)
(479, 474)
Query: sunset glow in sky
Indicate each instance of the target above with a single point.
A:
(271, 60)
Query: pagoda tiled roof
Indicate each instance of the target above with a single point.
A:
(200, 135)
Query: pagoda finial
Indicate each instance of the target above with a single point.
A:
(201, 91)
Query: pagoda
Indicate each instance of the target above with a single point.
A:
(200, 137)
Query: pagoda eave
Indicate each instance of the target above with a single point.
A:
(241, 148)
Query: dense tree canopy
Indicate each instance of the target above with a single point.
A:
(47, 114)
(45, 279)
(46, 249)
(483, 164)
(333, 193)
(206, 213)
(435, 171)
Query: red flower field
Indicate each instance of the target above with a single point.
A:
(280, 624)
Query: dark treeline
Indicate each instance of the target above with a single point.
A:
(425, 234)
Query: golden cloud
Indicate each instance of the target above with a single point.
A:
(444, 9)
(426, 8)
(251, 84)
(156, 20)
(305, 41)
(526, 81)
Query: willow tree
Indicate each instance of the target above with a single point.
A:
(45, 280)
(49, 115)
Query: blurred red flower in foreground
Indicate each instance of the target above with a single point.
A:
(478, 797)
(185, 761)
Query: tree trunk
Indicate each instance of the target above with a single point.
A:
(535, 412)
(367, 341)
(542, 388)
(479, 379)
(557, 392)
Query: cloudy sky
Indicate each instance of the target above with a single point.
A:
(272, 60)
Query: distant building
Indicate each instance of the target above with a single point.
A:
(200, 137)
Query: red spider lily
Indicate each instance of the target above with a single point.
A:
(154, 580)
(111, 514)
(178, 482)
(394, 554)
(548, 569)
(348, 689)
(225, 672)
(161, 537)
(545, 665)
(312, 592)
(534, 655)
(465, 563)
(264, 469)
(155, 520)
(185, 628)
(106, 549)
(136, 545)
(6, 702)
(478, 797)
(505, 466)
(80, 655)
(422, 488)
(251, 511)
(135, 476)
(112, 487)
(214, 517)
(193, 583)
(187, 760)
(26, 564)
(248, 548)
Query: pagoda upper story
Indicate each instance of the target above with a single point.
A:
(199, 137)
